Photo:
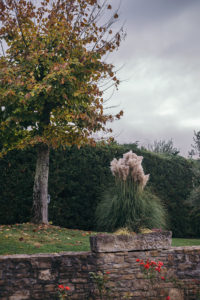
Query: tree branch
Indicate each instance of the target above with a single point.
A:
(19, 23)
(2, 49)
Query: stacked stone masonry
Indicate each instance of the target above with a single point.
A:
(36, 277)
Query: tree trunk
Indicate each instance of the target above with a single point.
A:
(40, 189)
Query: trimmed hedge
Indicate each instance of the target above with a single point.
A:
(16, 186)
(77, 179)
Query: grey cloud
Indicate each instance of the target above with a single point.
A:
(160, 94)
(144, 12)
(161, 28)
(129, 133)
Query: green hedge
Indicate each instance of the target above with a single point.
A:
(16, 185)
(77, 179)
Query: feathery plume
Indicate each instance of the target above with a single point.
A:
(130, 166)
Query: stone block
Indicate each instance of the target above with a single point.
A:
(20, 295)
(50, 288)
(46, 275)
(79, 280)
(118, 243)
(176, 294)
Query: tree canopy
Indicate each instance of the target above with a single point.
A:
(196, 146)
(51, 72)
(163, 147)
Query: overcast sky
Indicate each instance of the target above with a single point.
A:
(160, 89)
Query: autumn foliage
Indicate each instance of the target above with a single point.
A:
(51, 67)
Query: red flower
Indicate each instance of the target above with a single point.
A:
(137, 260)
(107, 272)
(61, 286)
(168, 298)
(147, 266)
(157, 269)
(163, 278)
(67, 288)
(153, 263)
(160, 263)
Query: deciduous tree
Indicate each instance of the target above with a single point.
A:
(163, 147)
(196, 146)
(50, 77)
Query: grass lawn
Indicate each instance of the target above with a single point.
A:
(29, 238)
(185, 242)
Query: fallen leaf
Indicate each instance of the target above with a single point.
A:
(37, 245)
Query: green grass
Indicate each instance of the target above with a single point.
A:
(30, 239)
(185, 242)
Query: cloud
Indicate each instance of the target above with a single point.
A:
(160, 89)
(160, 27)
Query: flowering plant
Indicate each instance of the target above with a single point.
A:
(63, 292)
(152, 271)
(101, 280)
(150, 268)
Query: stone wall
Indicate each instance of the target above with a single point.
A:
(37, 276)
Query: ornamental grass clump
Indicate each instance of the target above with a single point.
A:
(128, 203)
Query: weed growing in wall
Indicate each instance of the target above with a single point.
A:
(63, 292)
(100, 280)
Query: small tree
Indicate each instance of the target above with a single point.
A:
(163, 147)
(50, 76)
(196, 146)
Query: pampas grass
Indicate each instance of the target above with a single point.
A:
(127, 204)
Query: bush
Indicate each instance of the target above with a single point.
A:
(193, 199)
(16, 186)
(77, 179)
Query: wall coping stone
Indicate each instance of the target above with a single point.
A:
(44, 255)
(117, 243)
(84, 253)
